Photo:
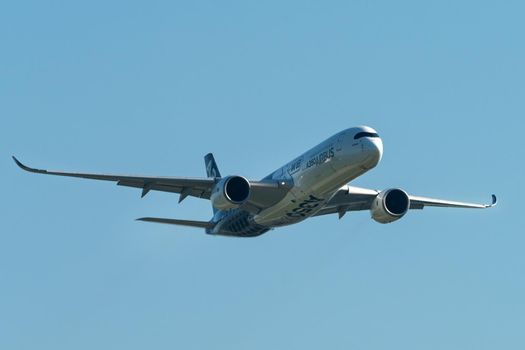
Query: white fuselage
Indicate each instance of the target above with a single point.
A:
(319, 173)
(315, 177)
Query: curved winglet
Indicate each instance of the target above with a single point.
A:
(494, 201)
(26, 168)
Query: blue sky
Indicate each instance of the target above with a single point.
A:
(149, 88)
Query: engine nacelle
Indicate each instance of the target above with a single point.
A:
(230, 192)
(390, 205)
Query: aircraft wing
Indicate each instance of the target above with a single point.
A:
(421, 202)
(349, 198)
(262, 194)
(196, 187)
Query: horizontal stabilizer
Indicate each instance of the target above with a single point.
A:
(192, 223)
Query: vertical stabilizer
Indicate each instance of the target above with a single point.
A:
(211, 170)
(211, 167)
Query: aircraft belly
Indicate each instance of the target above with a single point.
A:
(308, 195)
(312, 189)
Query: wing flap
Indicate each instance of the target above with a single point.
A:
(194, 190)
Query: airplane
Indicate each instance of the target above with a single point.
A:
(313, 184)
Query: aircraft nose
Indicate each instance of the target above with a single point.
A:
(373, 149)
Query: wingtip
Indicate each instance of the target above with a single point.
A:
(145, 219)
(494, 200)
(26, 168)
(19, 163)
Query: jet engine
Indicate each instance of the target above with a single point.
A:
(230, 192)
(390, 205)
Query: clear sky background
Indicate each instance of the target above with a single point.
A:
(150, 87)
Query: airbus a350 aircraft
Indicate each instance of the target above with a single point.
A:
(313, 184)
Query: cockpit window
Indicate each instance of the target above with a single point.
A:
(365, 134)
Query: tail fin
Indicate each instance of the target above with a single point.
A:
(211, 167)
(211, 170)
